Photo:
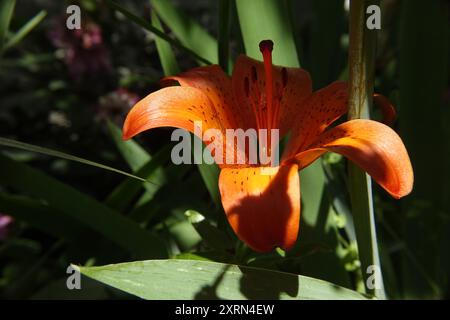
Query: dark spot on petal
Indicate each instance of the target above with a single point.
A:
(254, 74)
(246, 86)
(284, 77)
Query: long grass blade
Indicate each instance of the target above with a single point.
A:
(165, 52)
(54, 153)
(26, 29)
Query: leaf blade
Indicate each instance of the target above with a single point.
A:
(24, 30)
(189, 33)
(6, 12)
(189, 279)
(54, 153)
(165, 52)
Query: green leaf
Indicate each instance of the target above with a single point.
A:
(187, 30)
(33, 148)
(224, 33)
(337, 189)
(324, 56)
(148, 26)
(125, 192)
(267, 19)
(26, 28)
(214, 237)
(144, 166)
(6, 12)
(131, 151)
(149, 205)
(41, 216)
(184, 234)
(210, 175)
(165, 52)
(81, 207)
(191, 256)
(185, 279)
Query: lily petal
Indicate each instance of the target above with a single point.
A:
(321, 109)
(262, 205)
(291, 87)
(375, 147)
(216, 85)
(387, 109)
(176, 107)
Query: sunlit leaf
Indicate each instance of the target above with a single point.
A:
(187, 31)
(165, 52)
(131, 151)
(187, 279)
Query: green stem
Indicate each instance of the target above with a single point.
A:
(361, 73)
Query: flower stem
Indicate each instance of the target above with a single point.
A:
(361, 75)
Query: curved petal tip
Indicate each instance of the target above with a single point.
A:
(375, 147)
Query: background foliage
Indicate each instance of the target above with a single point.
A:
(70, 91)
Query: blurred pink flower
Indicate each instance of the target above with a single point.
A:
(5, 221)
(83, 50)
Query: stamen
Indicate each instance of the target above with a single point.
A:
(279, 92)
(254, 74)
(277, 104)
(266, 47)
(255, 105)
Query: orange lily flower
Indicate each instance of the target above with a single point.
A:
(263, 204)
